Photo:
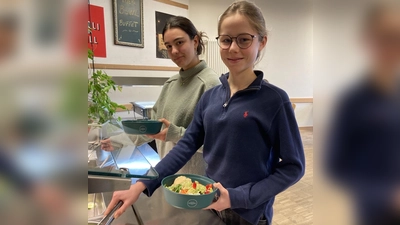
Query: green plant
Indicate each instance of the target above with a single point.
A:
(100, 106)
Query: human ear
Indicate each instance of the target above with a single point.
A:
(196, 41)
(262, 43)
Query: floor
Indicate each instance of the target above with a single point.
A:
(295, 205)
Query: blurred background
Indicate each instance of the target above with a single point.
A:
(357, 112)
(43, 111)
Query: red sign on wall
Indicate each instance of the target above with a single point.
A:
(97, 38)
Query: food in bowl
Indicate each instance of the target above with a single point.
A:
(185, 185)
(190, 201)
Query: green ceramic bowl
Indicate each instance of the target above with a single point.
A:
(141, 126)
(183, 201)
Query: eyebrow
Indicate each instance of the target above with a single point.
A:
(236, 35)
(176, 39)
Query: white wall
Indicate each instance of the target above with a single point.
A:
(287, 62)
(337, 50)
(288, 58)
(118, 54)
(338, 63)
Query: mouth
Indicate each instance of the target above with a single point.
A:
(178, 58)
(234, 59)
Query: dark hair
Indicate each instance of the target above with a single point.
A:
(187, 26)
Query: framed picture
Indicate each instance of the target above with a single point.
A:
(161, 19)
(128, 22)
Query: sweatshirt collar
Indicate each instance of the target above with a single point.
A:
(194, 70)
(256, 84)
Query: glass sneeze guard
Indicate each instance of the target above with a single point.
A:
(125, 161)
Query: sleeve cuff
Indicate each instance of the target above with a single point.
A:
(236, 196)
(174, 133)
(151, 186)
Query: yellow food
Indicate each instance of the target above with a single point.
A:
(90, 205)
(184, 185)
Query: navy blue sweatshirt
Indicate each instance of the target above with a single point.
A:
(252, 145)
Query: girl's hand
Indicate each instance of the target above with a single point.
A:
(162, 135)
(106, 145)
(128, 197)
(223, 202)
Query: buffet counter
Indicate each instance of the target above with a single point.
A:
(156, 211)
(105, 175)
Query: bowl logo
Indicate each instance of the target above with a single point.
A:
(191, 203)
(142, 129)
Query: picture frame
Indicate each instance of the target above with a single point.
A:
(128, 23)
(161, 19)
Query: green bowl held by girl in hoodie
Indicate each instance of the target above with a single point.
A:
(141, 126)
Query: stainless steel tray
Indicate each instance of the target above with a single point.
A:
(143, 108)
(96, 206)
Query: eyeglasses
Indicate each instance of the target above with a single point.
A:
(242, 40)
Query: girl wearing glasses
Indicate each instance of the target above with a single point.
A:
(251, 139)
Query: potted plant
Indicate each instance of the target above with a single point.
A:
(100, 107)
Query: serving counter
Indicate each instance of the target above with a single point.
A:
(156, 211)
(116, 170)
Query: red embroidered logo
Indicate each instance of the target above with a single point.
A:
(245, 114)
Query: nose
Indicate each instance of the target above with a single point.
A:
(234, 47)
(174, 50)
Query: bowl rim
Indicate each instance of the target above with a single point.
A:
(213, 192)
(141, 121)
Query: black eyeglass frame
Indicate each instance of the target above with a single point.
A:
(235, 38)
